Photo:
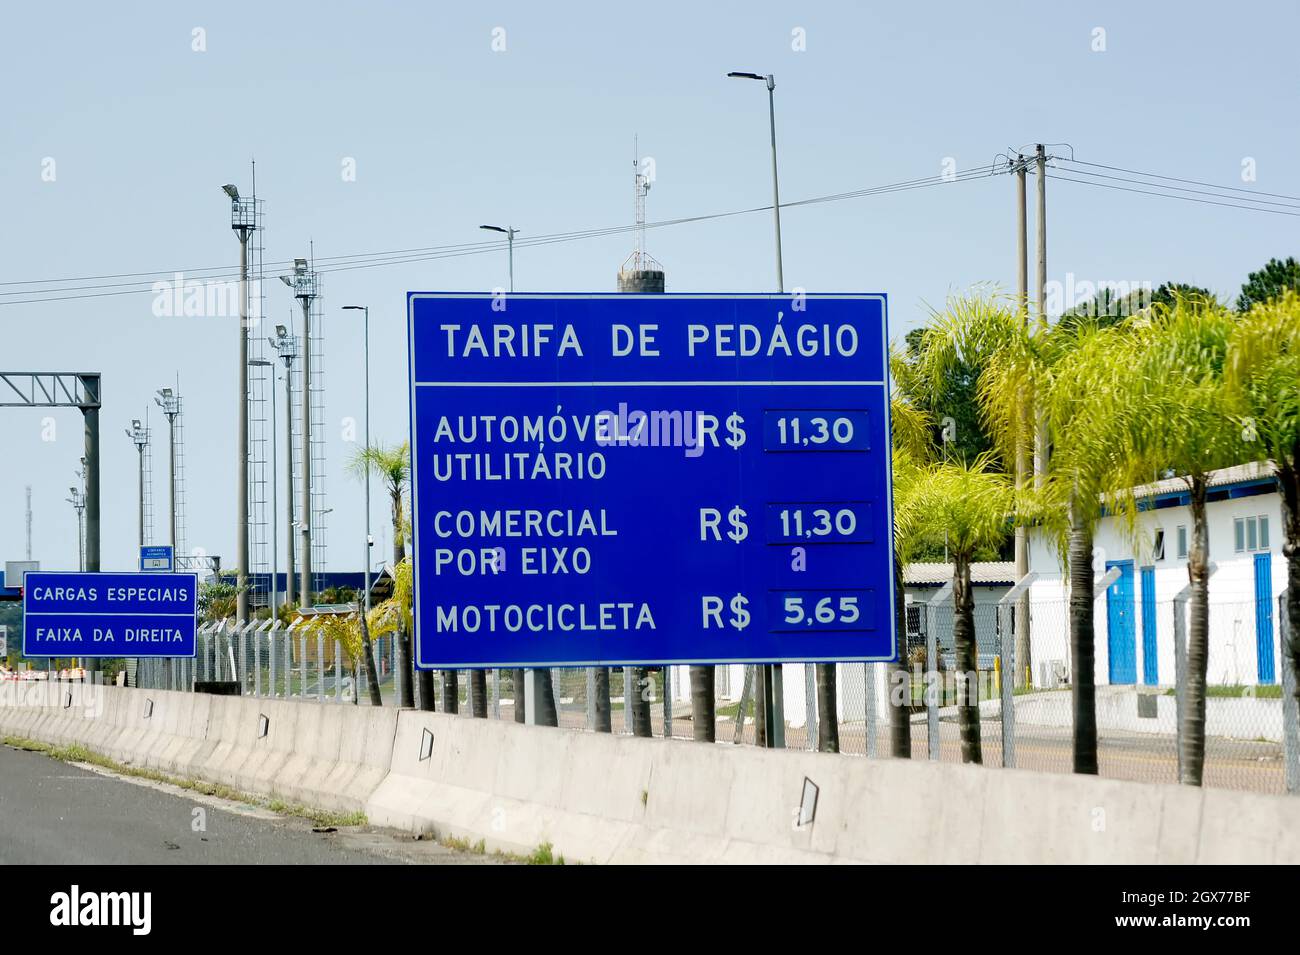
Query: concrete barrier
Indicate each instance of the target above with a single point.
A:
(604, 798)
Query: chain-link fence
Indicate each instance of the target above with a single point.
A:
(1140, 653)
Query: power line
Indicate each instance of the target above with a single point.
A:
(1199, 192)
(364, 260)
(1169, 195)
(1194, 182)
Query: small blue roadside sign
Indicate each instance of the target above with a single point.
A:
(616, 479)
(109, 615)
(156, 558)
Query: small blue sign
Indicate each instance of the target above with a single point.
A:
(109, 615)
(157, 558)
(614, 479)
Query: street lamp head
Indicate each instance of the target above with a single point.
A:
(299, 266)
(281, 332)
(355, 308)
(769, 78)
(232, 191)
(287, 280)
(493, 228)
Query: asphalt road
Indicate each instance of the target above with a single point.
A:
(56, 813)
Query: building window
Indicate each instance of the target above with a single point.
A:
(1182, 540)
(1250, 534)
(1158, 545)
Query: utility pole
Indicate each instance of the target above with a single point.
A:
(243, 220)
(1026, 429)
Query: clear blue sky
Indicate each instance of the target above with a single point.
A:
(447, 133)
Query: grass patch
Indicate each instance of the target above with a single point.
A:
(543, 855)
(1265, 691)
(76, 753)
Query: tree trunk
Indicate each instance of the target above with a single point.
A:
(760, 708)
(900, 678)
(450, 691)
(963, 636)
(703, 716)
(1198, 640)
(367, 651)
(478, 694)
(642, 690)
(828, 717)
(604, 718)
(408, 683)
(517, 688)
(1288, 479)
(428, 695)
(546, 715)
(1083, 689)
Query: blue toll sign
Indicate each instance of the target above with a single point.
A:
(650, 479)
(109, 614)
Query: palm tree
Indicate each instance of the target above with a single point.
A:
(1184, 421)
(971, 506)
(478, 694)
(1087, 412)
(910, 446)
(604, 718)
(393, 467)
(703, 709)
(1262, 373)
(638, 696)
(991, 333)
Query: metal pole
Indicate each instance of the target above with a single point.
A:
(171, 482)
(304, 583)
(241, 517)
(91, 416)
(275, 503)
(140, 489)
(289, 582)
(773, 705)
(776, 191)
(366, 329)
(510, 244)
(1023, 464)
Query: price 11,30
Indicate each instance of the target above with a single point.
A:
(826, 522)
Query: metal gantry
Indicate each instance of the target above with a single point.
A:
(57, 389)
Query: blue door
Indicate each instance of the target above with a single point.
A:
(1150, 661)
(1120, 626)
(1264, 617)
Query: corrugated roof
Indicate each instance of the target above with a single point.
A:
(985, 573)
(1237, 474)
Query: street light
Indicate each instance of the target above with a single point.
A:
(509, 232)
(369, 540)
(285, 347)
(770, 81)
(78, 502)
(243, 220)
(139, 436)
(304, 285)
(170, 402)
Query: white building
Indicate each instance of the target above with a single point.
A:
(1135, 616)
